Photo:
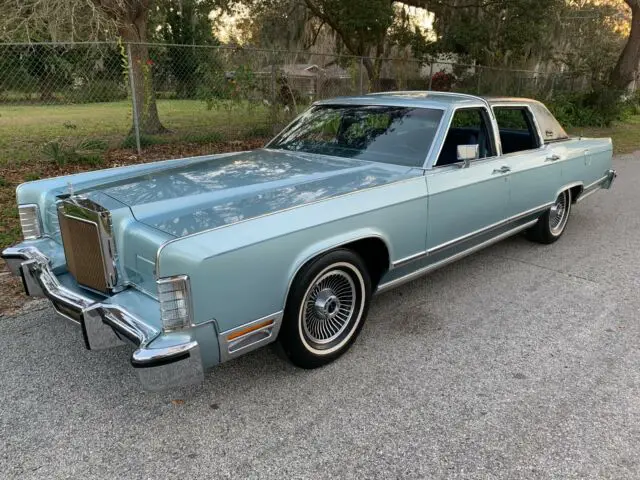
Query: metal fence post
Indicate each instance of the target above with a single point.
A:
(134, 102)
(431, 75)
(361, 75)
(274, 106)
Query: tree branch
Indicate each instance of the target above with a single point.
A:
(317, 11)
(315, 35)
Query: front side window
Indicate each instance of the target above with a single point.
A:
(469, 126)
(517, 131)
(387, 134)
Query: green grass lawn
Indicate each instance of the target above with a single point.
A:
(26, 129)
(625, 135)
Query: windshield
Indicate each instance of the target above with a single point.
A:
(388, 134)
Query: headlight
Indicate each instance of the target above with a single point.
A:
(174, 295)
(30, 221)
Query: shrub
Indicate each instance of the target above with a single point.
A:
(597, 108)
(99, 91)
(145, 141)
(259, 131)
(32, 177)
(54, 152)
(85, 152)
(631, 104)
(211, 137)
(442, 81)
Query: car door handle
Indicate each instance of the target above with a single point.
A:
(553, 158)
(503, 169)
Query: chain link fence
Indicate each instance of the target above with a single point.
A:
(59, 100)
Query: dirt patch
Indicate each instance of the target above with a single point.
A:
(12, 298)
(12, 295)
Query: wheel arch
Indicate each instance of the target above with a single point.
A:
(374, 248)
(576, 189)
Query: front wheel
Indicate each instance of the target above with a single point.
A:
(552, 223)
(326, 309)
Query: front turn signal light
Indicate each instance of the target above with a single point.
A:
(30, 221)
(174, 295)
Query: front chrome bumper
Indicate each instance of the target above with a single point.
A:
(161, 362)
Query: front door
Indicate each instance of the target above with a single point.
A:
(466, 204)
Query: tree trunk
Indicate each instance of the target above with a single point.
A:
(628, 64)
(135, 34)
(373, 72)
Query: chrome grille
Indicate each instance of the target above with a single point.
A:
(81, 241)
(85, 229)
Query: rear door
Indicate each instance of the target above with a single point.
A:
(580, 161)
(464, 203)
(536, 169)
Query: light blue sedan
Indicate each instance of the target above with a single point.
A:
(200, 260)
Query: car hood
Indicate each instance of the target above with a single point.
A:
(192, 197)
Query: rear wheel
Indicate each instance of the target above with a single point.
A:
(552, 223)
(326, 309)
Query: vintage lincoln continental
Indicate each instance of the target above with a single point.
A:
(200, 260)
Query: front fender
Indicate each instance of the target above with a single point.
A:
(336, 241)
(242, 272)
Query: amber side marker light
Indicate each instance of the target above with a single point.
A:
(252, 328)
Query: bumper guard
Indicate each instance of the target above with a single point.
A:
(106, 325)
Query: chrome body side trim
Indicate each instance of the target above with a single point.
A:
(586, 195)
(484, 230)
(429, 268)
(409, 259)
(595, 184)
(604, 182)
(568, 186)
(469, 236)
(105, 325)
(254, 338)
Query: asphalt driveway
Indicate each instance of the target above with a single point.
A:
(522, 361)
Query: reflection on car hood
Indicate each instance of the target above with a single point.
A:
(224, 190)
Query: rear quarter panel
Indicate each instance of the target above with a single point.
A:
(587, 160)
(243, 272)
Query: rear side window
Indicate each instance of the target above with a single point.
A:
(517, 130)
(550, 128)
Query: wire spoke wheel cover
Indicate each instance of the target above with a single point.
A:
(331, 308)
(559, 213)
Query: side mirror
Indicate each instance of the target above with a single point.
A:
(466, 153)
